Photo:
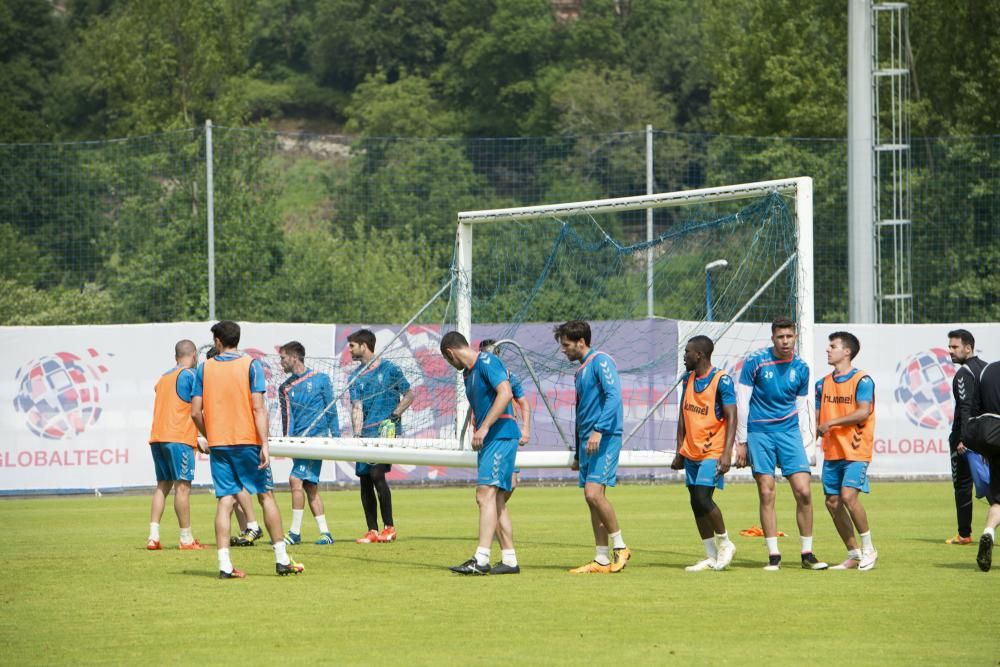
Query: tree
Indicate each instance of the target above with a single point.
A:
(159, 64)
(405, 108)
(31, 36)
(779, 68)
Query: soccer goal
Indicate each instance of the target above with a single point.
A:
(648, 272)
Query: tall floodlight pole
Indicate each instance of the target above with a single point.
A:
(860, 171)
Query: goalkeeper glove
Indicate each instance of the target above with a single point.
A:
(388, 427)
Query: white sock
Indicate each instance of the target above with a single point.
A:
(603, 555)
(866, 541)
(807, 544)
(710, 549)
(321, 524)
(253, 525)
(186, 536)
(280, 555)
(296, 526)
(508, 557)
(482, 556)
(854, 554)
(723, 538)
(991, 532)
(616, 540)
(772, 545)
(154, 531)
(225, 565)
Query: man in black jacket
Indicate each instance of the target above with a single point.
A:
(962, 346)
(988, 402)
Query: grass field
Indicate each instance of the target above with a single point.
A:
(79, 587)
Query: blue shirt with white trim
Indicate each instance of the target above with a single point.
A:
(777, 383)
(598, 396)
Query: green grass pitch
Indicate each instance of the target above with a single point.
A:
(79, 587)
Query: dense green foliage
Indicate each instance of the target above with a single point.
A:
(109, 601)
(120, 227)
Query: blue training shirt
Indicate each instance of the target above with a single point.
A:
(184, 384)
(303, 398)
(865, 391)
(515, 385)
(481, 383)
(726, 394)
(379, 388)
(598, 396)
(258, 382)
(777, 383)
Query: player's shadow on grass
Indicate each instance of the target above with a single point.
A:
(964, 565)
(396, 561)
(210, 574)
(928, 540)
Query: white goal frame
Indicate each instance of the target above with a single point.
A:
(445, 452)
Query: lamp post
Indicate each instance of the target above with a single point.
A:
(711, 266)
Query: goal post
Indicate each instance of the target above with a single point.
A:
(538, 265)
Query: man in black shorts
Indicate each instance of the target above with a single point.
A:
(989, 404)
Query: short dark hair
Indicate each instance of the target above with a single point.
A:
(453, 340)
(782, 323)
(965, 336)
(487, 344)
(573, 330)
(184, 347)
(848, 340)
(363, 337)
(295, 349)
(228, 332)
(703, 344)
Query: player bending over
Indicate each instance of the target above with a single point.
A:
(495, 437)
(705, 434)
(522, 410)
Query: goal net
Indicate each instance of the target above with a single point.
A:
(723, 262)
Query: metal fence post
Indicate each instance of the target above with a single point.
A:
(210, 205)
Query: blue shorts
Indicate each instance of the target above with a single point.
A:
(840, 473)
(234, 468)
(779, 448)
(174, 461)
(703, 473)
(307, 470)
(496, 464)
(366, 468)
(601, 467)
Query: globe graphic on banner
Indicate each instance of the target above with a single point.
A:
(59, 395)
(923, 388)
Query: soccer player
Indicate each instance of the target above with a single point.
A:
(172, 442)
(772, 408)
(307, 409)
(962, 348)
(380, 394)
(487, 386)
(705, 433)
(250, 530)
(599, 423)
(988, 402)
(522, 410)
(228, 407)
(845, 420)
